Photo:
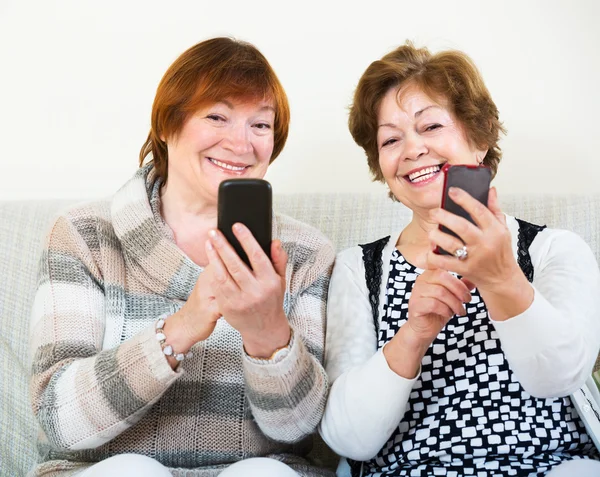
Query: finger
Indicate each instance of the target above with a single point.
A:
(441, 293)
(494, 205)
(446, 241)
(261, 264)
(435, 307)
(222, 281)
(468, 232)
(279, 258)
(236, 268)
(455, 286)
(478, 212)
(445, 262)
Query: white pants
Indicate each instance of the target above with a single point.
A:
(576, 468)
(133, 465)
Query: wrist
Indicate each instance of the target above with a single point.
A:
(509, 298)
(178, 331)
(265, 344)
(405, 352)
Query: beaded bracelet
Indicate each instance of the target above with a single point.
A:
(167, 349)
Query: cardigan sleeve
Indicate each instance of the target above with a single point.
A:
(287, 395)
(553, 345)
(84, 396)
(367, 399)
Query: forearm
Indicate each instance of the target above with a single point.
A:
(287, 395)
(547, 350)
(365, 405)
(85, 402)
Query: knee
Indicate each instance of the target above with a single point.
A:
(130, 465)
(258, 467)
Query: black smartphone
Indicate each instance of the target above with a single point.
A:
(473, 179)
(247, 201)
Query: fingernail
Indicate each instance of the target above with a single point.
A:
(238, 227)
(453, 191)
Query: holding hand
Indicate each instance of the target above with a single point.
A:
(435, 298)
(200, 312)
(251, 300)
(489, 262)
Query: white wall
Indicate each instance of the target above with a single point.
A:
(77, 80)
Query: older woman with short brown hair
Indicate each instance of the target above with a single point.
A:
(457, 364)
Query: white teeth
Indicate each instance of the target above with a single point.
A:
(226, 166)
(424, 178)
(423, 174)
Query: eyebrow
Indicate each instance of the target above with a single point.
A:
(230, 106)
(417, 114)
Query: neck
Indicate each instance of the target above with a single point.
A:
(413, 242)
(416, 233)
(179, 206)
(189, 217)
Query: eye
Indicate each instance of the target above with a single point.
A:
(389, 142)
(215, 117)
(432, 127)
(262, 126)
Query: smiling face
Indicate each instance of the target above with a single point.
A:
(225, 140)
(416, 136)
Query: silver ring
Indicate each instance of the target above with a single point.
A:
(461, 253)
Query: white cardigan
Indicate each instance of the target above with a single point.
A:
(551, 347)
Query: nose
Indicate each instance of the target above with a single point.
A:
(415, 147)
(237, 140)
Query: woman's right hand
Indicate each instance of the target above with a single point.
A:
(196, 320)
(200, 313)
(436, 297)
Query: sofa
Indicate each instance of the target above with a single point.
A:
(346, 219)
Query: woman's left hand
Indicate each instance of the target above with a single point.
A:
(490, 263)
(251, 301)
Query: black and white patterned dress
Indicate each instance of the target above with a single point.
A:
(467, 413)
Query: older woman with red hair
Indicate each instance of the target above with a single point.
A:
(134, 372)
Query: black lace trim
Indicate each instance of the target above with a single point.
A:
(527, 233)
(373, 272)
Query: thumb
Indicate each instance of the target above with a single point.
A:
(278, 257)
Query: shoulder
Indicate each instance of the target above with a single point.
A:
(89, 222)
(553, 246)
(352, 260)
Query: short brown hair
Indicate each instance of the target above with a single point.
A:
(448, 75)
(211, 71)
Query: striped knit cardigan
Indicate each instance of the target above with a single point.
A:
(100, 384)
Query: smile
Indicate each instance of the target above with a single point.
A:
(424, 174)
(229, 167)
